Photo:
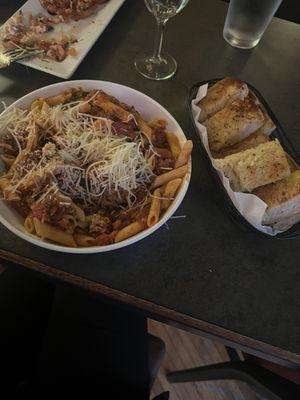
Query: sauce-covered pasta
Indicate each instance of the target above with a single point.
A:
(84, 169)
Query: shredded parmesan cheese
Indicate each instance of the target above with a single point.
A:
(84, 157)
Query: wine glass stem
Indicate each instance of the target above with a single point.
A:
(158, 40)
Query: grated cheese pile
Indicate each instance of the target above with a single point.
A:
(80, 152)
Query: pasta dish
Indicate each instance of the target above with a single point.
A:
(84, 169)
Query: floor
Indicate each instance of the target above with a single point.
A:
(185, 350)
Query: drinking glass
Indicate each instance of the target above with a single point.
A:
(247, 20)
(159, 65)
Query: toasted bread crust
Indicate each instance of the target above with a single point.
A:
(220, 94)
(254, 140)
(292, 163)
(281, 191)
(256, 167)
(233, 123)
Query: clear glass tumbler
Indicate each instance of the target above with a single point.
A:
(247, 20)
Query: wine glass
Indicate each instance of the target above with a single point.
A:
(159, 66)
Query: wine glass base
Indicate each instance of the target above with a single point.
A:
(156, 69)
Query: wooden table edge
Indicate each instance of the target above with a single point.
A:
(164, 314)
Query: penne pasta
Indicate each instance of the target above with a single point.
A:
(158, 122)
(174, 144)
(114, 110)
(144, 127)
(32, 138)
(29, 224)
(184, 154)
(151, 162)
(45, 107)
(170, 175)
(8, 195)
(169, 192)
(58, 99)
(105, 238)
(84, 240)
(20, 157)
(46, 231)
(154, 211)
(40, 108)
(38, 103)
(131, 230)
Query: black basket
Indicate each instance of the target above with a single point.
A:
(278, 133)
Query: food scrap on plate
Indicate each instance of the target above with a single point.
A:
(34, 32)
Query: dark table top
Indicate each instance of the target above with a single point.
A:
(202, 270)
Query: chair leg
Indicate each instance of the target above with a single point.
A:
(232, 354)
(264, 382)
(213, 372)
(156, 352)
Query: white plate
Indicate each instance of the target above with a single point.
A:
(148, 108)
(86, 31)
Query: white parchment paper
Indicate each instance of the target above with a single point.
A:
(250, 206)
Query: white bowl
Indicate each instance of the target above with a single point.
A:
(148, 108)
